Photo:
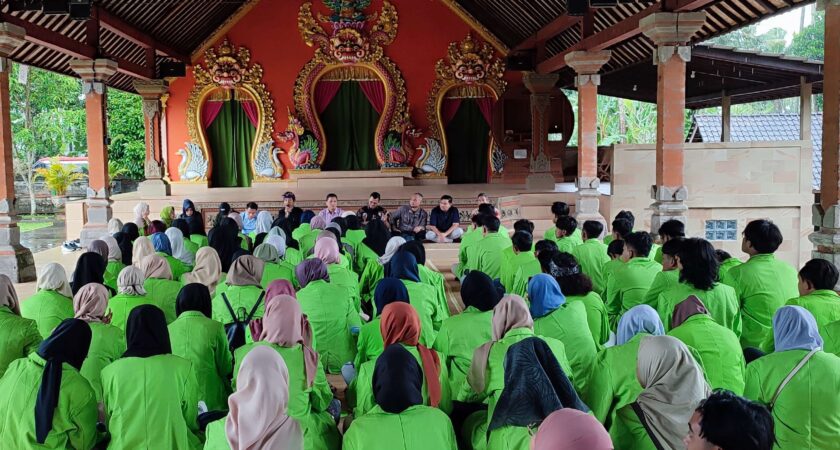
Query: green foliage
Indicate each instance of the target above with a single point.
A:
(772, 41)
(59, 177)
(127, 151)
(810, 42)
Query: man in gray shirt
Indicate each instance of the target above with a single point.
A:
(410, 220)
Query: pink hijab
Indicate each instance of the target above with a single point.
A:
(275, 289)
(91, 302)
(285, 324)
(570, 429)
(327, 250)
(258, 416)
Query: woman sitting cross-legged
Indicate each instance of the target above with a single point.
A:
(52, 302)
(243, 297)
(107, 342)
(159, 285)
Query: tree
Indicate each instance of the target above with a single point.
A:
(125, 127)
(810, 41)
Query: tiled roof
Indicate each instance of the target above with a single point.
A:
(764, 127)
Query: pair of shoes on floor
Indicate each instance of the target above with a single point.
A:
(70, 246)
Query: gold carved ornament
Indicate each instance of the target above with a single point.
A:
(471, 70)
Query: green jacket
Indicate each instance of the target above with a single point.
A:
(47, 309)
(112, 271)
(200, 240)
(151, 403)
(175, 265)
(74, 421)
(203, 342)
(165, 294)
(278, 271)
(568, 325)
(489, 253)
(346, 278)
(831, 337)
(371, 273)
(120, 306)
(19, 336)
(374, 272)
(364, 255)
(416, 428)
(612, 382)
(307, 241)
(576, 237)
(662, 282)
(424, 298)
(362, 386)
(608, 271)
(596, 316)
(726, 265)
(823, 304)
(242, 299)
(301, 231)
(763, 285)
(719, 348)
(720, 300)
(307, 404)
(438, 282)
(457, 340)
(468, 251)
(331, 314)
(354, 238)
(591, 256)
(628, 286)
(517, 269)
(370, 343)
(293, 256)
(191, 246)
(567, 244)
(107, 345)
(628, 431)
(807, 412)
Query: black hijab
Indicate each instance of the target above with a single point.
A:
(535, 386)
(389, 290)
(259, 239)
(376, 236)
(397, 380)
(337, 237)
(131, 231)
(342, 223)
(480, 291)
(182, 225)
(125, 245)
(69, 343)
(187, 204)
(90, 268)
(226, 241)
(286, 226)
(146, 333)
(194, 297)
(196, 224)
(417, 249)
(353, 222)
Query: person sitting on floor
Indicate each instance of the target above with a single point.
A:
(373, 210)
(592, 253)
(629, 284)
(444, 222)
(409, 221)
(817, 281)
(671, 229)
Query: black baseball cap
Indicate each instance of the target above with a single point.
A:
(289, 194)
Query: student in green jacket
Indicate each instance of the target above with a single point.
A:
(151, 395)
(520, 265)
(489, 249)
(629, 284)
(130, 294)
(179, 249)
(107, 341)
(159, 285)
(198, 235)
(614, 250)
(370, 345)
(428, 276)
(400, 325)
(672, 386)
(717, 345)
(565, 227)
(115, 262)
(612, 383)
(671, 229)
(243, 293)
(670, 275)
(817, 280)
(287, 331)
(621, 227)
(566, 322)
(462, 333)
(535, 386)
(52, 302)
(326, 249)
(561, 209)
(184, 227)
(698, 269)
(373, 245)
(725, 420)
(207, 271)
(763, 283)
(467, 257)
(831, 336)
(399, 419)
(422, 296)
(163, 248)
(592, 254)
(275, 268)
(806, 410)
(19, 336)
(577, 287)
(196, 337)
(374, 268)
(331, 313)
(48, 383)
(259, 416)
(726, 262)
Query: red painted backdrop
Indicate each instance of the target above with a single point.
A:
(269, 31)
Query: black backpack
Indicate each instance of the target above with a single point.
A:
(236, 331)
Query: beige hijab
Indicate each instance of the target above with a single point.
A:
(258, 409)
(142, 248)
(154, 266)
(91, 302)
(114, 226)
(130, 281)
(673, 385)
(114, 252)
(207, 270)
(246, 271)
(511, 312)
(8, 296)
(53, 277)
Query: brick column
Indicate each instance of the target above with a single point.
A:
(15, 260)
(541, 86)
(826, 214)
(94, 73)
(587, 65)
(152, 91)
(670, 32)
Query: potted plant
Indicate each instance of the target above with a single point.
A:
(58, 179)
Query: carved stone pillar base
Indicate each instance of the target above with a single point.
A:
(543, 181)
(827, 240)
(669, 203)
(588, 201)
(153, 189)
(16, 261)
(99, 212)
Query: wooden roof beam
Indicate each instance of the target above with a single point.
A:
(130, 33)
(553, 28)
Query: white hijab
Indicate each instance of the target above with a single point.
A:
(394, 244)
(263, 222)
(176, 240)
(53, 277)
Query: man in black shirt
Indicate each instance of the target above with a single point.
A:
(444, 222)
(289, 211)
(372, 210)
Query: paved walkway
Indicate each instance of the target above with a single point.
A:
(44, 238)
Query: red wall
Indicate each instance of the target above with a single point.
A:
(269, 31)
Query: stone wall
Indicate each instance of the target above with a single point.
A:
(76, 191)
(739, 181)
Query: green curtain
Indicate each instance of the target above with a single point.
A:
(350, 126)
(467, 140)
(231, 137)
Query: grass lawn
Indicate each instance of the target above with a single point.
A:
(32, 226)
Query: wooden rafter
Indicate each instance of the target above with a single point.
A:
(129, 32)
(547, 32)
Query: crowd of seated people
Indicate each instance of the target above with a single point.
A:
(323, 330)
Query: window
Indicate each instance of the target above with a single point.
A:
(722, 230)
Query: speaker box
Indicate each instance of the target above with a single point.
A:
(25, 5)
(79, 9)
(55, 7)
(522, 61)
(172, 69)
(577, 7)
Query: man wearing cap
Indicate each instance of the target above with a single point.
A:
(289, 211)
